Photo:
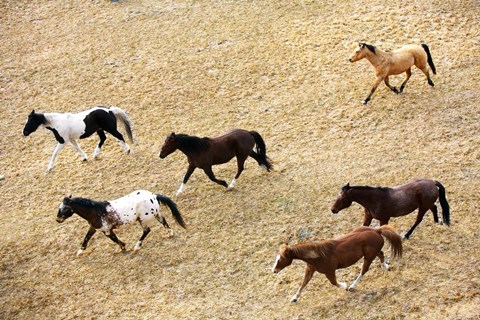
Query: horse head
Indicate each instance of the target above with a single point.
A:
(33, 121)
(283, 259)
(65, 211)
(169, 146)
(343, 200)
(361, 51)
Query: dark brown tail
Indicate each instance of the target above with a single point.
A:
(443, 202)
(429, 58)
(261, 150)
(394, 239)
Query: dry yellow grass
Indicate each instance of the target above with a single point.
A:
(203, 67)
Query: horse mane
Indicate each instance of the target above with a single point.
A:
(313, 250)
(192, 143)
(84, 202)
(369, 47)
(347, 187)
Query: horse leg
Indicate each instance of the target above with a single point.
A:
(209, 172)
(427, 74)
(381, 256)
(114, 238)
(114, 132)
(333, 279)
(146, 231)
(421, 213)
(435, 213)
(89, 234)
(78, 149)
(408, 74)
(366, 265)
(309, 271)
(103, 137)
(240, 167)
(387, 82)
(375, 85)
(367, 218)
(57, 149)
(187, 175)
(162, 220)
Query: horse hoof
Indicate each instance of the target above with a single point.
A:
(79, 252)
(294, 300)
(364, 102)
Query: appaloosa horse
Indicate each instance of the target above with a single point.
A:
(329, 255)
(141, 205)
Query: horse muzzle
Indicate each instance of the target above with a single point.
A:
(60, 219)
(350, 60)
(26, 133)
(334, 211)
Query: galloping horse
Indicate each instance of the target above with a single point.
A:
(68, 127)
(141, 205)
(205, 152)
(329, 255)
(395, 62)
(383, 203)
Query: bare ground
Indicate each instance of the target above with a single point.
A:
(202, 68)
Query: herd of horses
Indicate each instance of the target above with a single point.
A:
(142, 206)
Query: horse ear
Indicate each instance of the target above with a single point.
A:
(348, 185)
(33, 111)
(67, 200)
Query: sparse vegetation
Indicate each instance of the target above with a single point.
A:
(203, 67)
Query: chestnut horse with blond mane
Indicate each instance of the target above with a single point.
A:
(387, 63)
(329, 255)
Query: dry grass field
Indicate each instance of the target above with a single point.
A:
(202, 68)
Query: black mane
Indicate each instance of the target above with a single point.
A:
(100, 206)
(347, 187)
(192, 143)
(369, 47)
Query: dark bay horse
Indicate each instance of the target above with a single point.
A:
(141, 205)
(383, 203)
(68, 127)
(329, 255)
(387, 63)
(205, 152)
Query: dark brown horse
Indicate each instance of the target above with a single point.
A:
(329, 255)
(383, 203)
(205, 152)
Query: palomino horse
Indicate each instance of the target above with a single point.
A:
(395, 62)
(383, 203)
(141, 205)
(205, 152)
(329, 255)
(68, 127)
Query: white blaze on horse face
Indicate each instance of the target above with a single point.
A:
(275, 264)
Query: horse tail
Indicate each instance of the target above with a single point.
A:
(261, 150)
(122, 116)
(443, 203)
(173, 207)
(429, 58)
(394, 239)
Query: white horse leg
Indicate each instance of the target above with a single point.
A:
(124, 146)
(57, 149)
(232, 184)
(385, 266)
(354, 284)
(181, 189)
(78, 149)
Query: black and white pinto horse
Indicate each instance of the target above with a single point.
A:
(141, 205)
(68, 127)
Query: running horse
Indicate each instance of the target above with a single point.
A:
(329, 255)
(388, 63)
(205, 152)
(141, 205)
(68, 127)
(384, 203)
